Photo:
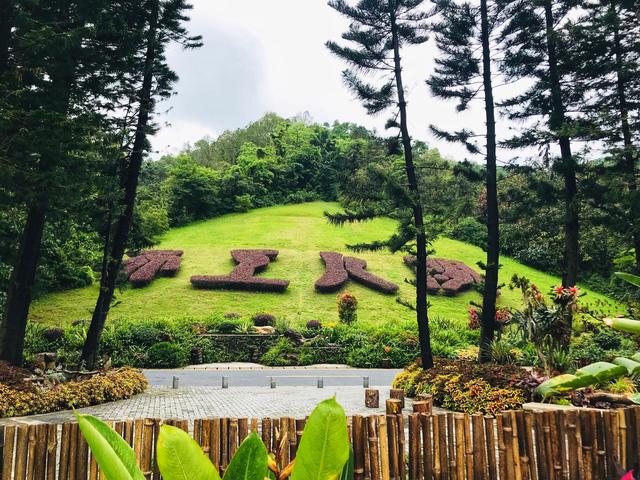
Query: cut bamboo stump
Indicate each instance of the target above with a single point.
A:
(394, 406)
(397, 393)
(372, 398)
(423, 406)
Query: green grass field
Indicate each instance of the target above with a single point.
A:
(299, 232)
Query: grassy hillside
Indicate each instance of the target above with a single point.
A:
(300, 232)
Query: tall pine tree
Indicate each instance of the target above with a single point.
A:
(162, 22)
(533, 42)
(378, 31)
(464, 70)
(605, 58)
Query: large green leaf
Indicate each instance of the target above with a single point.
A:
(250, 462)
(602, 371)
(564, 383)
(347, 471)
(324, 447)
(116, 458)
(624, 325)
(632, 366)
(181, 458)
(628, 277)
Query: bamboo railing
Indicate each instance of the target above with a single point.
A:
(518, 445)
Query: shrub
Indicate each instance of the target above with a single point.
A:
(242, 276)
(53, 334)
(347, 308)
(166, 355)
(357, 270)
(335, 275)
(455, 384)
(114, 385)
(314, 325)
(471, 231)
(264, 320)
(447, 276)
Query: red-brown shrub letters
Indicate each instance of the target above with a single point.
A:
(142, 269)
(356, 269)
(448, 276)
(339, 269)
(249, 262)
(335, 275)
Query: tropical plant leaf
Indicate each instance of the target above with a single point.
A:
(116, 459)
(324, 447)
(250, 461)
(181, 458)
(635, 398)
(347, 471)
(628, 277)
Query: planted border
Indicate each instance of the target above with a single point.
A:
(242, 277)
(447, 276)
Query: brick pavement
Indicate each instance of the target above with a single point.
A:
(206, 402)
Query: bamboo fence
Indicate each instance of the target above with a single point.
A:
(519, 445)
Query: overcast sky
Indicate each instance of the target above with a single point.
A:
(269, 56)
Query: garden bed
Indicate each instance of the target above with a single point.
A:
(19, 396)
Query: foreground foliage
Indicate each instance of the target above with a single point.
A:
(322, 455)
(110, 386)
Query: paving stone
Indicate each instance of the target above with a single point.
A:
(205, 402)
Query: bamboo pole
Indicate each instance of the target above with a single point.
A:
(622, 425)
(402, 459)
(156, 433)
(7, 454)
(427, 446)
(414, 447)
(480, 456)
(357, 432)
(367, 459)
(515, 445)
(588, 451)
(392, 426)
(1, 449)
(437, 449)
(293, 439)
(147, 448)
(468, 445)
(31, 451)
(224, 444)
(385, 472)
(52, 450)
(22, 440)
(460, 446)
(243, 429)
(82, 458)
(571, 424)
(300, 423)
(451, 447)
(522, 445)
(540, 439)
(40, 470)
(600, 454)
(394, 406)
(492, 447)
(197, 430)
(266, 433)
(502, 449)
(398, 394)
(509, 456)
(375, 450)
(233, 437)
(528, 429)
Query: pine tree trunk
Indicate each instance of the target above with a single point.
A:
(628, 148)
(489, 296)
(6, 8)
(14, 323)
(568, 166)
(123, 224)
(422, 313)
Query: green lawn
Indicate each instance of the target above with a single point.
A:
(299, 232)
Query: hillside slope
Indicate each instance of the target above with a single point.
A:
(299, 232)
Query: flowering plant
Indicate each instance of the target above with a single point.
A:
(347, 307)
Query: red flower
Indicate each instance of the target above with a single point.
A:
(559, 290)
(573, 291)
(628, 476)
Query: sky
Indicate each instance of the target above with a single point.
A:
(269, 56)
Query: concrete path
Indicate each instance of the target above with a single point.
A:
(206, 402)
(200, 393)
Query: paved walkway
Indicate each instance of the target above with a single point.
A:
(205, 402)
